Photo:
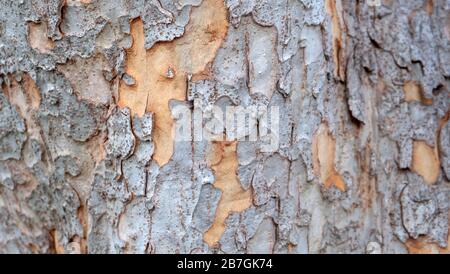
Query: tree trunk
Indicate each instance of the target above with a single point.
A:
(115, 133)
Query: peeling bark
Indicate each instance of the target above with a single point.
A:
(90, 100)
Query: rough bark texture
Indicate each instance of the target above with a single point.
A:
(88, 161)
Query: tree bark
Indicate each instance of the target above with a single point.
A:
(91, 160)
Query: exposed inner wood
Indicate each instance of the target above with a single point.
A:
(59, 249)
(413, 93)
(83, 216)
(160, 72)
(223, 161)
(324, 147)
(426, 161)
(423, 245)
(77, 2)
(429, 6)
(332, 9)
(25, 96)
(37, 37)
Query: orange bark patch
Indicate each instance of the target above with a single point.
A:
(413, 92)
(77, 2)
(26, 98)
(424, 246)
(37, 37)
(223, 160)
(161, 72)
(420, 246)
(335, 179)
(426, 161)
(334, 13)
(32, 91)
(324, 147)
(83, 215)
(429, 6)
(59, 249)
